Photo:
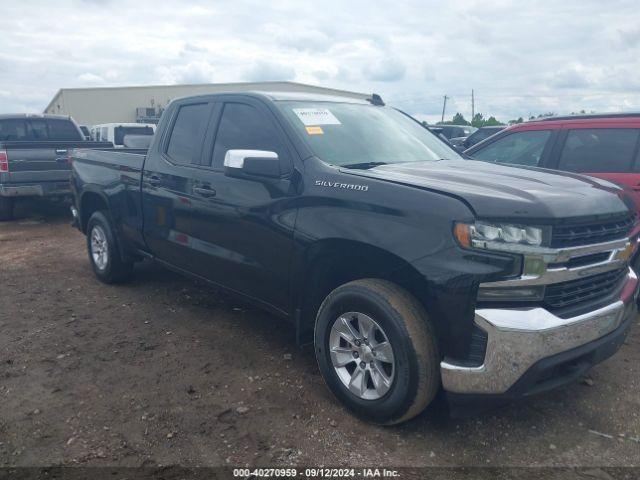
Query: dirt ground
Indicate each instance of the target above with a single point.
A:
(166, 371)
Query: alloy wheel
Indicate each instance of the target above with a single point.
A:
(362, 355)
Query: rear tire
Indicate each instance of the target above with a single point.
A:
(6, 208)
(383, 362)
(104, 253)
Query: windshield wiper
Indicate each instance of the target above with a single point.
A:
(364, 165)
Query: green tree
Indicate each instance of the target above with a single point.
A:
(458, 119)
(492, 122)
(477, 120)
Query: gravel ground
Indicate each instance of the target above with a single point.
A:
(165, 371)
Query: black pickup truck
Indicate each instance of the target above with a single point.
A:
(33, 157)
(409, 268)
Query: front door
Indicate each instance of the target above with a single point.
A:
(242, 228)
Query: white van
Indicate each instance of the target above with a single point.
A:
(115, 132)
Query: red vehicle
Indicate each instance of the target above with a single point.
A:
(604, 146)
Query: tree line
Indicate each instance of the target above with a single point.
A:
(479, 120)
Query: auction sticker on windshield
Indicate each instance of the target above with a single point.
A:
(316, 116)
(315, 130)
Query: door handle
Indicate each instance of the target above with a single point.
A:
(154, 180)
(204, 191)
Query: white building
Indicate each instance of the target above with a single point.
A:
(90, 106)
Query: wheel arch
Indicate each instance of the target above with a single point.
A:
(329, 263)
(90, 202)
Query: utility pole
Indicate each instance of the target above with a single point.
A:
(444, 105)
(473, 106)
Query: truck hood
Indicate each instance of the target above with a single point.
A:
(499, 191)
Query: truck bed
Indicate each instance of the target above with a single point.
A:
(114, 176)
(38, 168)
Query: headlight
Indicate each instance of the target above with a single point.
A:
(481, 235)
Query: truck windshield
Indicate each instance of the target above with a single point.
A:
(120, 132)
(348, 134)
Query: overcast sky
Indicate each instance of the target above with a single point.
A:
(520, 57)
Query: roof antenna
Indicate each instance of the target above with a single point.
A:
(376, 100)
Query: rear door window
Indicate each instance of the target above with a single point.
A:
(520, 148)
(187, 136)
(599, 150)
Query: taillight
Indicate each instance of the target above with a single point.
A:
(4, 161)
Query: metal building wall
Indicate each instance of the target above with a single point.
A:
(90, 106)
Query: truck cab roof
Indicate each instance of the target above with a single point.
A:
(282, 96)
(4, 116)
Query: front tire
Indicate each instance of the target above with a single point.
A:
(6, 208)
(104, 253)
(377, 351)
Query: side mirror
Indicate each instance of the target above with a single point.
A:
(260, 163)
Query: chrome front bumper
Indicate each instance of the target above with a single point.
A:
(518, 338)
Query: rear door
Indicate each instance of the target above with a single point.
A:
(609, 152)
(38, 150)
(168, 183)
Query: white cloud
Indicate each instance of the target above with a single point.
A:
(90, 78)
(572, 77)
(192, 72)
(389, 69)
(521, 58)
(262, 71)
